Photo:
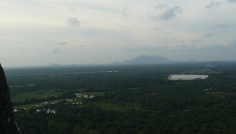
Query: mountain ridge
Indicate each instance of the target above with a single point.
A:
(144, 59)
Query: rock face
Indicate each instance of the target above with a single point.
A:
(7, 120)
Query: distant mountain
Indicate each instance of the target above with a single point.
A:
(55, 64)
(191, 60)
(144, 60)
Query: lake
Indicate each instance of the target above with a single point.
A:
(186, 77)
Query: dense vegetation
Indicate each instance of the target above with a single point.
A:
(129, 99)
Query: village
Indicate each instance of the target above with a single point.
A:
(40, 107)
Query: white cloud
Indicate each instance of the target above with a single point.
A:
(170, 13)
(73, 22)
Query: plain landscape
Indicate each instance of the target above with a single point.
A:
(132, 99)
(117, 67)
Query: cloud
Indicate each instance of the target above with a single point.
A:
(82, 46)
(170, 13)
(221, 26)
(56, 51)
(208, 35)
(231, 1)
(125, 11)
(161, 6)
(73, 22)
(156, 29)
(232, 44)
(141, 48)
(213, 4)
(62, 43)
(196, 40)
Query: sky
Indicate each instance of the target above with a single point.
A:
(43, 32)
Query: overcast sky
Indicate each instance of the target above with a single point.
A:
(42, 32)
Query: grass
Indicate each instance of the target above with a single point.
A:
(33, 105)
(34, 95)
(117, 107)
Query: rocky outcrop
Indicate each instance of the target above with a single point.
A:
(7, 120)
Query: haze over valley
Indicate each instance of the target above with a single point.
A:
(36, 33)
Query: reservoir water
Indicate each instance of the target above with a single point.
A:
(186, 77)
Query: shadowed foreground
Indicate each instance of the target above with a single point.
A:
(7, 120)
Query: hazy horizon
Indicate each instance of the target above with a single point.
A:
(36, 33)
